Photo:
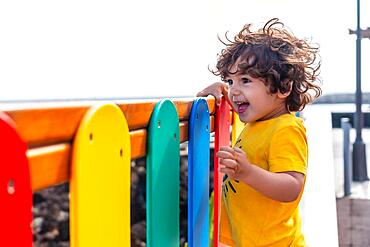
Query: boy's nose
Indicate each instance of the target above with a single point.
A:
(234, 89)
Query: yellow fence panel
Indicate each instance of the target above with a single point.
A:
(100, 180)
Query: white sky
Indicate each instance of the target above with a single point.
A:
(100, 49)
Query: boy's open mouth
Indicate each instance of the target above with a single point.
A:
(242, 106)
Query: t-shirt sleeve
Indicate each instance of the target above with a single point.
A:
(288, 150)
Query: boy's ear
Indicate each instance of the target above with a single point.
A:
(286, 89)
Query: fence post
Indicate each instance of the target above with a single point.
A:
(346, 127)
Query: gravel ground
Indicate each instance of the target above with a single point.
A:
(51, 210)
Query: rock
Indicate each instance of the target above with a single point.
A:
(37, 198)
(37, 224)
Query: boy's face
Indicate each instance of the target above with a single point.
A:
(252, 99)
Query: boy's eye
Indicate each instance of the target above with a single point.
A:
(246, 80)
(229, 81)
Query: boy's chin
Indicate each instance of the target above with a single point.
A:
(244, 119)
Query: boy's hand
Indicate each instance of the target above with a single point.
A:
(233, 162)
(217, 89)
(279, 186)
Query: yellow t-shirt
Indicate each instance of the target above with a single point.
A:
(249, 218)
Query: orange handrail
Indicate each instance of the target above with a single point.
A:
(48, 128)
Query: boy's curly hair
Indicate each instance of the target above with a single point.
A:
(283, 61)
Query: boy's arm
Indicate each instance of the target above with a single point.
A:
(284, 186)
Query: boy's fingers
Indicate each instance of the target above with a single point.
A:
(217, 96)
(239, 152)
(229, 163)
(227, 149)
(218, 99)
(228, 171)
(224, 155)
(214, 89)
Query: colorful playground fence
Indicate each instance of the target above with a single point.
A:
(91, 145)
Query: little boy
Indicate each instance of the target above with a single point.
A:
(267, 75)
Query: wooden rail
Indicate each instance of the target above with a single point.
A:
(49, 130)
